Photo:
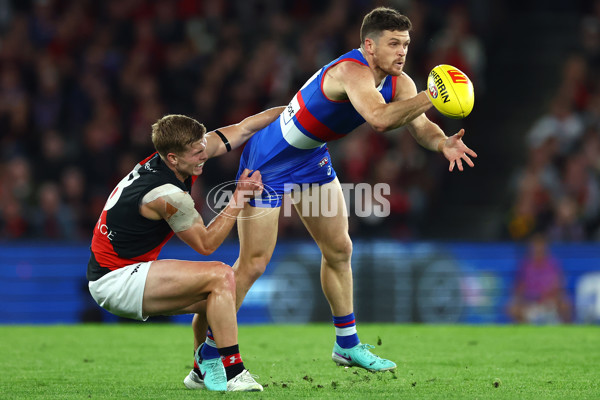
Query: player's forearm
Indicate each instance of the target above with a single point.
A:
(249, 126)
(215, 233)
(428, 134)
(261, 120)
(432, 139)
(218, 229)
(233, 136)
(400, 113)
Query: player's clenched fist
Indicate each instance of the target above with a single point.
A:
(249, 186)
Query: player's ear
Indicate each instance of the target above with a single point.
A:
(172, 158)
(369, 45)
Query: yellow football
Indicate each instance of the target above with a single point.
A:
(450, 91)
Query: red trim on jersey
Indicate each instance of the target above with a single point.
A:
(104, 252)
(331, 66)
(394, 79)
(145, 160)
(113, 192)
(106, 255)
(313, 125)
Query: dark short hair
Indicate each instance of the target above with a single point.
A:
(173, 133)
(383, 19)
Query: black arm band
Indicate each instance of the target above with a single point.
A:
(224, 139)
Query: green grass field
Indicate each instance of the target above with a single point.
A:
(149, 361)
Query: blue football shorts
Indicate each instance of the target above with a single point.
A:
(281, 171)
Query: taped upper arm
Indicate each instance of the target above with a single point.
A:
(160, 191)
(177, 207)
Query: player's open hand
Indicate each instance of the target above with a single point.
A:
(456, 151)
(249, 185)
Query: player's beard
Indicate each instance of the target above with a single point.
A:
(391, 68)
(394, 69)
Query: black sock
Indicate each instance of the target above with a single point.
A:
(232, 360)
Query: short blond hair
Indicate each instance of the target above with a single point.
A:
(173, 133)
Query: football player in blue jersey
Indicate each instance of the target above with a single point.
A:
(369, 85)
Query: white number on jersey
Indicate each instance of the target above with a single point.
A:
(128, 180)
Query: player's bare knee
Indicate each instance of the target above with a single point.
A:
(339, 251)
(253, 267)
(226, 277)
(221, 277)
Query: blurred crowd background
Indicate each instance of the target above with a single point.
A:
(81, 82)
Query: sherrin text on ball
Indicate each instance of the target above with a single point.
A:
(450, 91)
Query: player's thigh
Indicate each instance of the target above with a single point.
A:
(173, 285)
(257, 231)
(329, 226)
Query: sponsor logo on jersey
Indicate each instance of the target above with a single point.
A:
(147, 167)
(290, 111)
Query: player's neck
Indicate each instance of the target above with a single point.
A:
(178, 174)
(378, 73)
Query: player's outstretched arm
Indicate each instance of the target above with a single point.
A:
(239, 133)
(177, 208)
(431, 136)
(357, 82)
(456, 151)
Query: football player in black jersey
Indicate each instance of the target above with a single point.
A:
(149, 206)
